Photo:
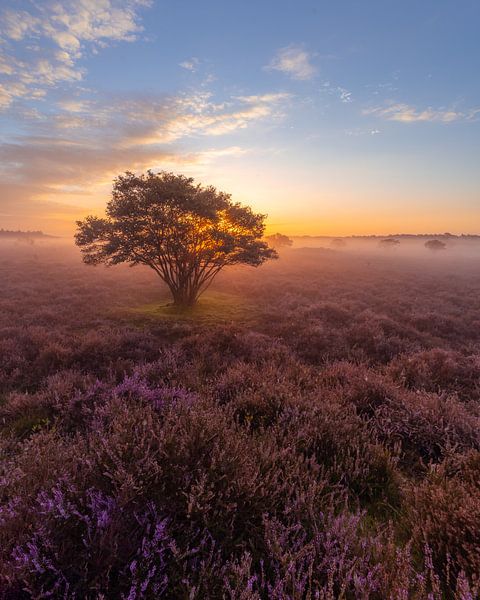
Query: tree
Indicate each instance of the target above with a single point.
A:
(338, 243)
(279, 240)
(185, 232)
(389, 243)
(435, 245)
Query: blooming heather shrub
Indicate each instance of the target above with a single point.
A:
(330, 313)
(219, 348)
(148, 568)
(68, 399)
(342, 443)
(259, 396)
(426, 427)
(124, 348)
(339, 560)
(364, 388)
(96, 536)
(318, 339)
(328, 448)
(313, 342)
(28, 357)
(440, 370)
(23, 414)
(465, 466)
(442, 325)
(37, 462)
(445, 514)
(136, 388)
(368, 342)
(173, 368)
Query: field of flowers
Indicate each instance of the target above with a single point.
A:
(322, 441)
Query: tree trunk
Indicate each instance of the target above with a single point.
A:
(184, 298)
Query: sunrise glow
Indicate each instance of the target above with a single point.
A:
(314, 113)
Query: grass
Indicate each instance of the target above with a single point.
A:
(212, 307)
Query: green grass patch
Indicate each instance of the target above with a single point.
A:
(26, 425)
(214, 307)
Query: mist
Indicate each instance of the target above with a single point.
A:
(349, 372)
(195, 403)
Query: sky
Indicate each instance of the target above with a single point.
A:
(332, 117)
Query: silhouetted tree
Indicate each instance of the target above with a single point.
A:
(389, 243)
(183, 231)
(435, 245)
(279, 240)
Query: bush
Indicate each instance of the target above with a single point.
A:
(440, 370)
(444, 513)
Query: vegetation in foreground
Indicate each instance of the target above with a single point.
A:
(324, 444)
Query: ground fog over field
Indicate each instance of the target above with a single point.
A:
(310, 430)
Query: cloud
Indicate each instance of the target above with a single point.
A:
(345, 96)
(295, 62)
(70, 148)
(53, 37)
(16, 202)
(405, 113)
(48, 178)
(171, 119)
(77, 151)
(191, 64)
(357, 132)
(74, 106)
(209, 156)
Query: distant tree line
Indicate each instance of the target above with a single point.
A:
(19, 233)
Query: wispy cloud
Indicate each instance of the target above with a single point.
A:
(74, 106)
(209, 156)
(171, 119)
(53, 37)
(357, 132)
(76, 152)
(404, 113)
(191, 64)
(295, 62)
(345, 96)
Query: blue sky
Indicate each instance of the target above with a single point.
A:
(332, 117)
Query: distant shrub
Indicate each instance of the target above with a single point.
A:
(435, 245)
(278, 240)
(389, 243)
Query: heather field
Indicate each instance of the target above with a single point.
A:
(310, 430)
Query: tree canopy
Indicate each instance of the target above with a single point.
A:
(435, 245)
(183, 231)
(389, 243)
(279, 240)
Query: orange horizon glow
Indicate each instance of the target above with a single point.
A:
(59, 226)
